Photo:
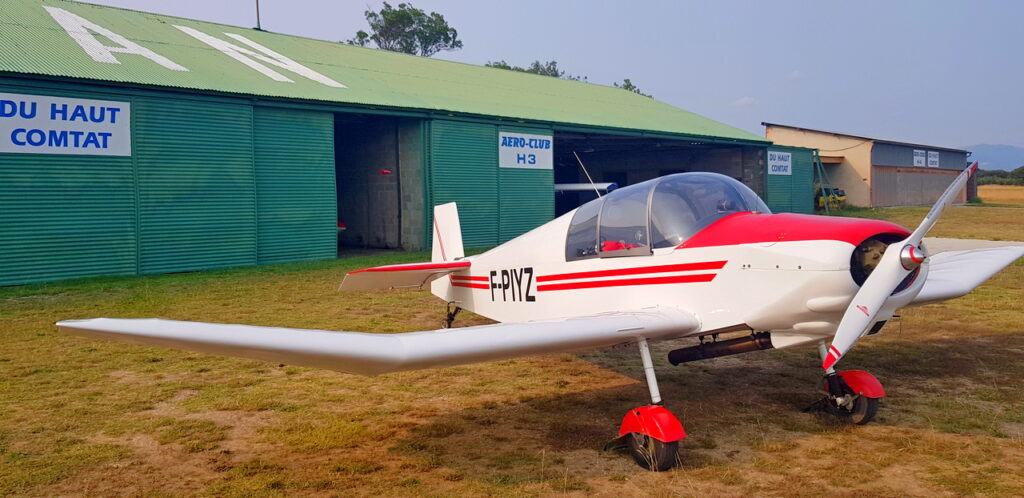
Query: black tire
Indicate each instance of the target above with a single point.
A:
(651, 453)
(864, 410)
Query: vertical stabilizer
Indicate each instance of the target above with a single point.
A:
(447, 245)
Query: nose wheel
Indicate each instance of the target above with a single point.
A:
(855, 394)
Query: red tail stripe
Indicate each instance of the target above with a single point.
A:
(675, 279)
(470, 285)
(709, 265)
(468, 278)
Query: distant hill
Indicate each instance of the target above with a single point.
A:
(991, 157)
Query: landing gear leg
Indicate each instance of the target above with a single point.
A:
(853, 393)
(651, 432)
(450, 314)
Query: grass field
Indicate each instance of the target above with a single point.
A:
(1001, 194)
(86, 417)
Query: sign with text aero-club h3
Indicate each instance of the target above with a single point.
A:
(39, 124)
(522, 150)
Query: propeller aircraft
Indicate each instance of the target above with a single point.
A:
(694, 255)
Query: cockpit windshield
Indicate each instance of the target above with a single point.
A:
(657, 213)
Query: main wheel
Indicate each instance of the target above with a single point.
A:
(651, 453)
(864, 410)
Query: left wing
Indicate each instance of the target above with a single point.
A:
(955, 273)
(372, 354)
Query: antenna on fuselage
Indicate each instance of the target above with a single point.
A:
(589, 179)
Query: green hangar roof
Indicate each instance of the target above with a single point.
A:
(59, 38)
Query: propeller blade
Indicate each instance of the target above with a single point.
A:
(899, 260)
(947, 198)
(866, 303)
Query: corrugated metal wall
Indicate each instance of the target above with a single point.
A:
(887, 154)
(792, 193)
(197, 187)
(296, 203)
(71, 216)
(910, 186)
(197, 193)
(495, 204)
(464, 170)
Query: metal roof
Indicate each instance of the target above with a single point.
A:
(33, 42)
(879, 140)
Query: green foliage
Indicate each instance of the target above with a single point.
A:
(1000, 177)
(628, 86)
(549, 68)
(408, 30)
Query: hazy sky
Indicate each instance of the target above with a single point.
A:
(946, 73)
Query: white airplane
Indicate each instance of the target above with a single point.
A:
(685, 255)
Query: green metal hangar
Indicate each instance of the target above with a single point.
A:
(134, 143)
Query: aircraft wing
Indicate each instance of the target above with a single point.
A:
(372, 354)
(400, 276)
(955, 273)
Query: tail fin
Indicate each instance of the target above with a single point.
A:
(447, 234)
(447, 245)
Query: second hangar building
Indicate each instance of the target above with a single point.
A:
(136, 143)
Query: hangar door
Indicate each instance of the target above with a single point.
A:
(495, 204)
(789, 179)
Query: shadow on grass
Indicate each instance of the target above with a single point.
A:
(732, 407)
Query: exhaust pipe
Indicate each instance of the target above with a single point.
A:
(757, 341)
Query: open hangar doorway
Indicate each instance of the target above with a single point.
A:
(379, 175)
(626, 160)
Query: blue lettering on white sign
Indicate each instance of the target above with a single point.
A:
(41, 124)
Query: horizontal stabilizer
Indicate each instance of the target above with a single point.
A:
(413, 275)
(955, 273)
(372, 354)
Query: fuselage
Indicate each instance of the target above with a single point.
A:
(785, 273)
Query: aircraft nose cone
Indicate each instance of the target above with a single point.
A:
(911, 257)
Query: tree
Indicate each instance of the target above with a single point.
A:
(549, 68)
(408, 30)
(630, 87)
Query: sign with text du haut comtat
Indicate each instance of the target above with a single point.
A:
(521, 150)
(780, 163)
(39, 124)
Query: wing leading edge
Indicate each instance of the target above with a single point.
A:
(955, 273)
(372, 354)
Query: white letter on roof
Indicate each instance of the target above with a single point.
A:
(79, 30)
(246, 56)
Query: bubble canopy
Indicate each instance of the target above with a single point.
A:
(663, 212)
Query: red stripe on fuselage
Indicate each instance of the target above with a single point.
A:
(591, 284)
(751, 228)
(709, 265)
(471, 285)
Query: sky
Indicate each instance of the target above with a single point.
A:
(945, 73)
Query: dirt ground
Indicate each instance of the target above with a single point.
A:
(81, 417)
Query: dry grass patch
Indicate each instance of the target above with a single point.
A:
(1002, 194)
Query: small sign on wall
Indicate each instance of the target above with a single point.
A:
(919, 158)
(38, 124)
(780, 163)
(933, 159)
(525, 151)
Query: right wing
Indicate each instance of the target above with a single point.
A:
(372, 354)
(955, 273)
